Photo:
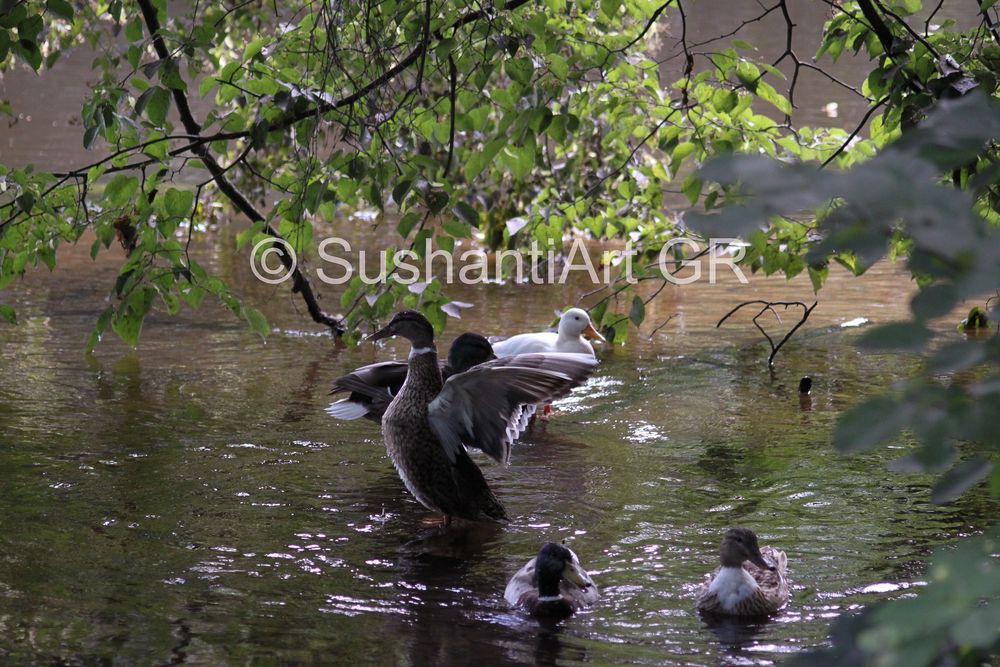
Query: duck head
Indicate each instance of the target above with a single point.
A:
(468, 350)
(576, 322)
(409, 324)
(739, 545)
(555, 562)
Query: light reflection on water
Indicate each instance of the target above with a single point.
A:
(192, 498)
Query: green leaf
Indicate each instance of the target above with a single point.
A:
(178, 203)
(897, 336)
(127, 320)
(25, 201)
(158, 105)
(818, 275)
(558, 66)
(7, 313)
(692, 188)
(133, 30)
(934, 301)
(767, 93)
(400, 190)
(120, 190)
(637, 313)
(986, 4)
(99, 328)
(170, 76)
(257, 321)
(206, 85)
(478, 161)
(520, 69)
(960, 479)
(60, 8)
(407, 222)
(871, 423)
(157, 149)
(520, 160)
(253, 48)
(457, 229)
(467, 214)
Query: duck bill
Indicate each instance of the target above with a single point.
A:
(758, 560)
(379, 335)
(591, 332)
(574, 574)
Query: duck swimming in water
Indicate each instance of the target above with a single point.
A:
(574, 324)
(429, 423)
(750, 582)
(552, 584)
(373, 387)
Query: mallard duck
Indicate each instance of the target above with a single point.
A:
(429, 423)
(372, 387)
(574, 324)
(751, 580)
(552, 584)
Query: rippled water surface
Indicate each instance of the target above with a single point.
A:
(189, 501)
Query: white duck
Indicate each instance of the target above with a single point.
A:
(574, 324)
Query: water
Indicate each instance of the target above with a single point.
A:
(189, 501)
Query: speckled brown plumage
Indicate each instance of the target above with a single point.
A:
(454, 490)
(750, 582)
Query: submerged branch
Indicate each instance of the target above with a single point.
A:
(768, 306)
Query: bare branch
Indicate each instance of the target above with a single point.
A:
(769, 306)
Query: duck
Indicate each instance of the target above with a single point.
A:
(372, 387)
(552, 584)
(751, 581)
(430, 422)
(574, 324)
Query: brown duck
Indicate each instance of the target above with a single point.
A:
(429, 423)
(750, 582)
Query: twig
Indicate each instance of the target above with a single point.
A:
(665, 323)
(990, 23)
(769, 306)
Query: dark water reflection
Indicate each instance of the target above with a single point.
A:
(190, 500)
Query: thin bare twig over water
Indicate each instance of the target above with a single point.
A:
(768, 306)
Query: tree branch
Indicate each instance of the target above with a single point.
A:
(769, 306)
(300, 283)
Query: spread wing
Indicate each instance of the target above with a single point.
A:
(482, 407)
(372, 389)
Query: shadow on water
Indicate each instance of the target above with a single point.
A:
(736, 637)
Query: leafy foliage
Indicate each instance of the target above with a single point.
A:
(512, 125)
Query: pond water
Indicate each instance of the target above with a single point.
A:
(190, 501)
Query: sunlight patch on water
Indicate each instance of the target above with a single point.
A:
(888, 587)
(643, 431)
(350, 606)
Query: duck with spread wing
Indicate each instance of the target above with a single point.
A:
(430, 422)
